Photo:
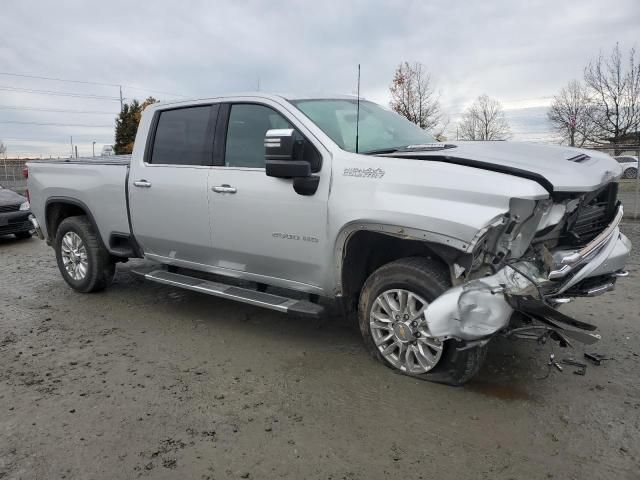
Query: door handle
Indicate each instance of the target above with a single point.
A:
(224, 189)
(142, 183)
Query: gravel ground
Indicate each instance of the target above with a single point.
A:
(150, 381)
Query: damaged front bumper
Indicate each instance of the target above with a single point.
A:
(480, 308)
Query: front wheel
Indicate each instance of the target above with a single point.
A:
(84, 263)
(392, 322)
(631, 173)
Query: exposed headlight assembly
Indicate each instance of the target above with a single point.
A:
(552, 216)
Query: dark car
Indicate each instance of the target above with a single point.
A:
(14, 214)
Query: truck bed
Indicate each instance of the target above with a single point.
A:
(97, 184)
(106, 160)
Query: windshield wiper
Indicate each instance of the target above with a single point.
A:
(426, 147)
(381, 151)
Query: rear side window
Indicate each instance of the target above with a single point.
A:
(184, 137)
(248, 124)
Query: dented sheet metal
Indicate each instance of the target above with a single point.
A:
(479, 308)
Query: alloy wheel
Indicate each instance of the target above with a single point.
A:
(399, 329)
(74, 256)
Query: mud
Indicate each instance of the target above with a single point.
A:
(146, 381)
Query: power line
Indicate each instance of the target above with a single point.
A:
(59, 79)
(86, 82)
(33, 109)
(56, 124)
(58, 93)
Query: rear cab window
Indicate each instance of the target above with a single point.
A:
(184, 136)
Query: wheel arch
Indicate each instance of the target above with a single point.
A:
(363, 247)
(58, 208)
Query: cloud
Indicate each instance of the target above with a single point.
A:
(519, 53)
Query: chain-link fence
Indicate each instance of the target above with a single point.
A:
(629, 189)
(11, 174)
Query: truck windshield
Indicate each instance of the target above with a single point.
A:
(379, 130)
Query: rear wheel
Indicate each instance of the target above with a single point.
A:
(631, 172)
(393, 323)
(84, 263)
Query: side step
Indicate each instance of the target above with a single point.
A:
(245, 295)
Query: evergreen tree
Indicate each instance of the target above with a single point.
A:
(127, 125)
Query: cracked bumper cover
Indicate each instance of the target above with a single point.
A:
(482, 307)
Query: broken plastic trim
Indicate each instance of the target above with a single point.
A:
(538, 310)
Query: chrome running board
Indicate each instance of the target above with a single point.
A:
(231, 292)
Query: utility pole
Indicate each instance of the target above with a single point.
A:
(93, 148)
(71, 146)
(121, 98)
(76, 151)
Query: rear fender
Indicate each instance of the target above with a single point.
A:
(52, 221)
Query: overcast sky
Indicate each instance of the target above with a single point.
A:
(519, 52)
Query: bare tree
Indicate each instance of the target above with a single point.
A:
(3, 149)
(414, 97)
(570, 114)
(614, 87)
(484, 120)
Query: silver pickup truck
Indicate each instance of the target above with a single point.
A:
(438, 247)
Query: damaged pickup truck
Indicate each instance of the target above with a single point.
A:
(438, 247)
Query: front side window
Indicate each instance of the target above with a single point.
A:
(183, 137)
(379, 128)
(248, 124)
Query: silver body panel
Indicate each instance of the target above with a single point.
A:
(99, 185)
(171, 215)
(268, 209)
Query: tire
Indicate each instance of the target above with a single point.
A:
(23, 235)
(100, 268)
(631, 172)
(427, 279)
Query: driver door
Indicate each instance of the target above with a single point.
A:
(261, 228)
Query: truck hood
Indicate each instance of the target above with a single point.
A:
(8, 197)
(558, 169)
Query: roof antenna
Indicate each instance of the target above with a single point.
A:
(358, 111)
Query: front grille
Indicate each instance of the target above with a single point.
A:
(16, 227)
(9, 208)
(591, 217)
(591, 221)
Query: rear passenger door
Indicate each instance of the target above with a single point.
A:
(168, 194)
